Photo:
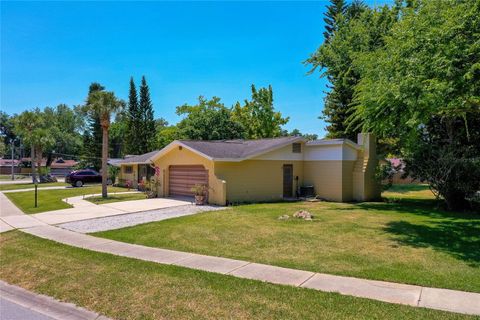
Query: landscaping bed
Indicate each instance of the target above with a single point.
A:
(124, 288)
(117, 197)
(406, 239)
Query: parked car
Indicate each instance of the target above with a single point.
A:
(78, 178)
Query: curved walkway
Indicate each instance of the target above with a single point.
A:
(434, 298)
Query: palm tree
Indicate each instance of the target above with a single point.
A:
(34, 128)
(103, 104)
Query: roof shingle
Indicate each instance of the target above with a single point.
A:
(143, 158)
(237, 149)
(222, 149)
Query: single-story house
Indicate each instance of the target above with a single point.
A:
(61, 167)
(6, 166)
(260, 170)
(399, 171)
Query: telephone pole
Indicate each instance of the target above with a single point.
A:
(12, 146)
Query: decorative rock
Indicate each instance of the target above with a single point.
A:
(284, 217)
(303, 214)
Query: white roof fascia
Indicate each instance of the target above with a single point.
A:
(131, 163)
(333, 143)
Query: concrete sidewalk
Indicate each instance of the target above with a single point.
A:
(417, 296)
(29, 305)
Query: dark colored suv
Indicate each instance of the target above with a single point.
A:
(78, 178)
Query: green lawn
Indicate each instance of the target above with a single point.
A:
(52, 199)
(124, 288)
(116, 198)
(28, 185)
(406, 239)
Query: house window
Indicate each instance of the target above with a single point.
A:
(297, 148)
(128, 169)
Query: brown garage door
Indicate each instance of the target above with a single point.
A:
(183, 178)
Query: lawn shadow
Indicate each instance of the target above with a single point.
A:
(406, 188)
(460, 239)
(425, 207)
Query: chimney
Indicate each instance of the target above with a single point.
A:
(365, 187)
(369, 144)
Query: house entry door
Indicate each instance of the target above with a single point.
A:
(287, 180)
(142, 172)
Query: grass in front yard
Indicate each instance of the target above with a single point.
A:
(28, 185)
(407, 239)
(124, 288)
(52, 199)
(9, 177)
(117, 197)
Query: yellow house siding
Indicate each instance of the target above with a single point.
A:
(285, 153)
(183, 156)
(256, 180)
(129, 176)
(326, 178)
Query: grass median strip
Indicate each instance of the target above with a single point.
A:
(52, 199)
(405, 240)
(124, 288)
(116, 198)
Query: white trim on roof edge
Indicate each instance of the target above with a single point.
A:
(332, 142)
(132, 163)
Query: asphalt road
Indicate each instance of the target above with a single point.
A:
(12, 311)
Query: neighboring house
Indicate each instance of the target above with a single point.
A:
(61, 167)
(399, 167)
(58, 167)
(261, 170)
(6, 166)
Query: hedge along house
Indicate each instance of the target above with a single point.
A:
(262, 170)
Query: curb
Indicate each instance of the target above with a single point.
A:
(46, 305)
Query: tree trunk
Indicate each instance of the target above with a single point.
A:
(32, 161)
(104, 161)
(39, 159)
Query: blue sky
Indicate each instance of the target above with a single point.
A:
(52, 51)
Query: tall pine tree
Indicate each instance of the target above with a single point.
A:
(134, 117)
(147, 131)
(335, 10)
(358, 30)
(92, 136)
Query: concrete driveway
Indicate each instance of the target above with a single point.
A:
(83, 209)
